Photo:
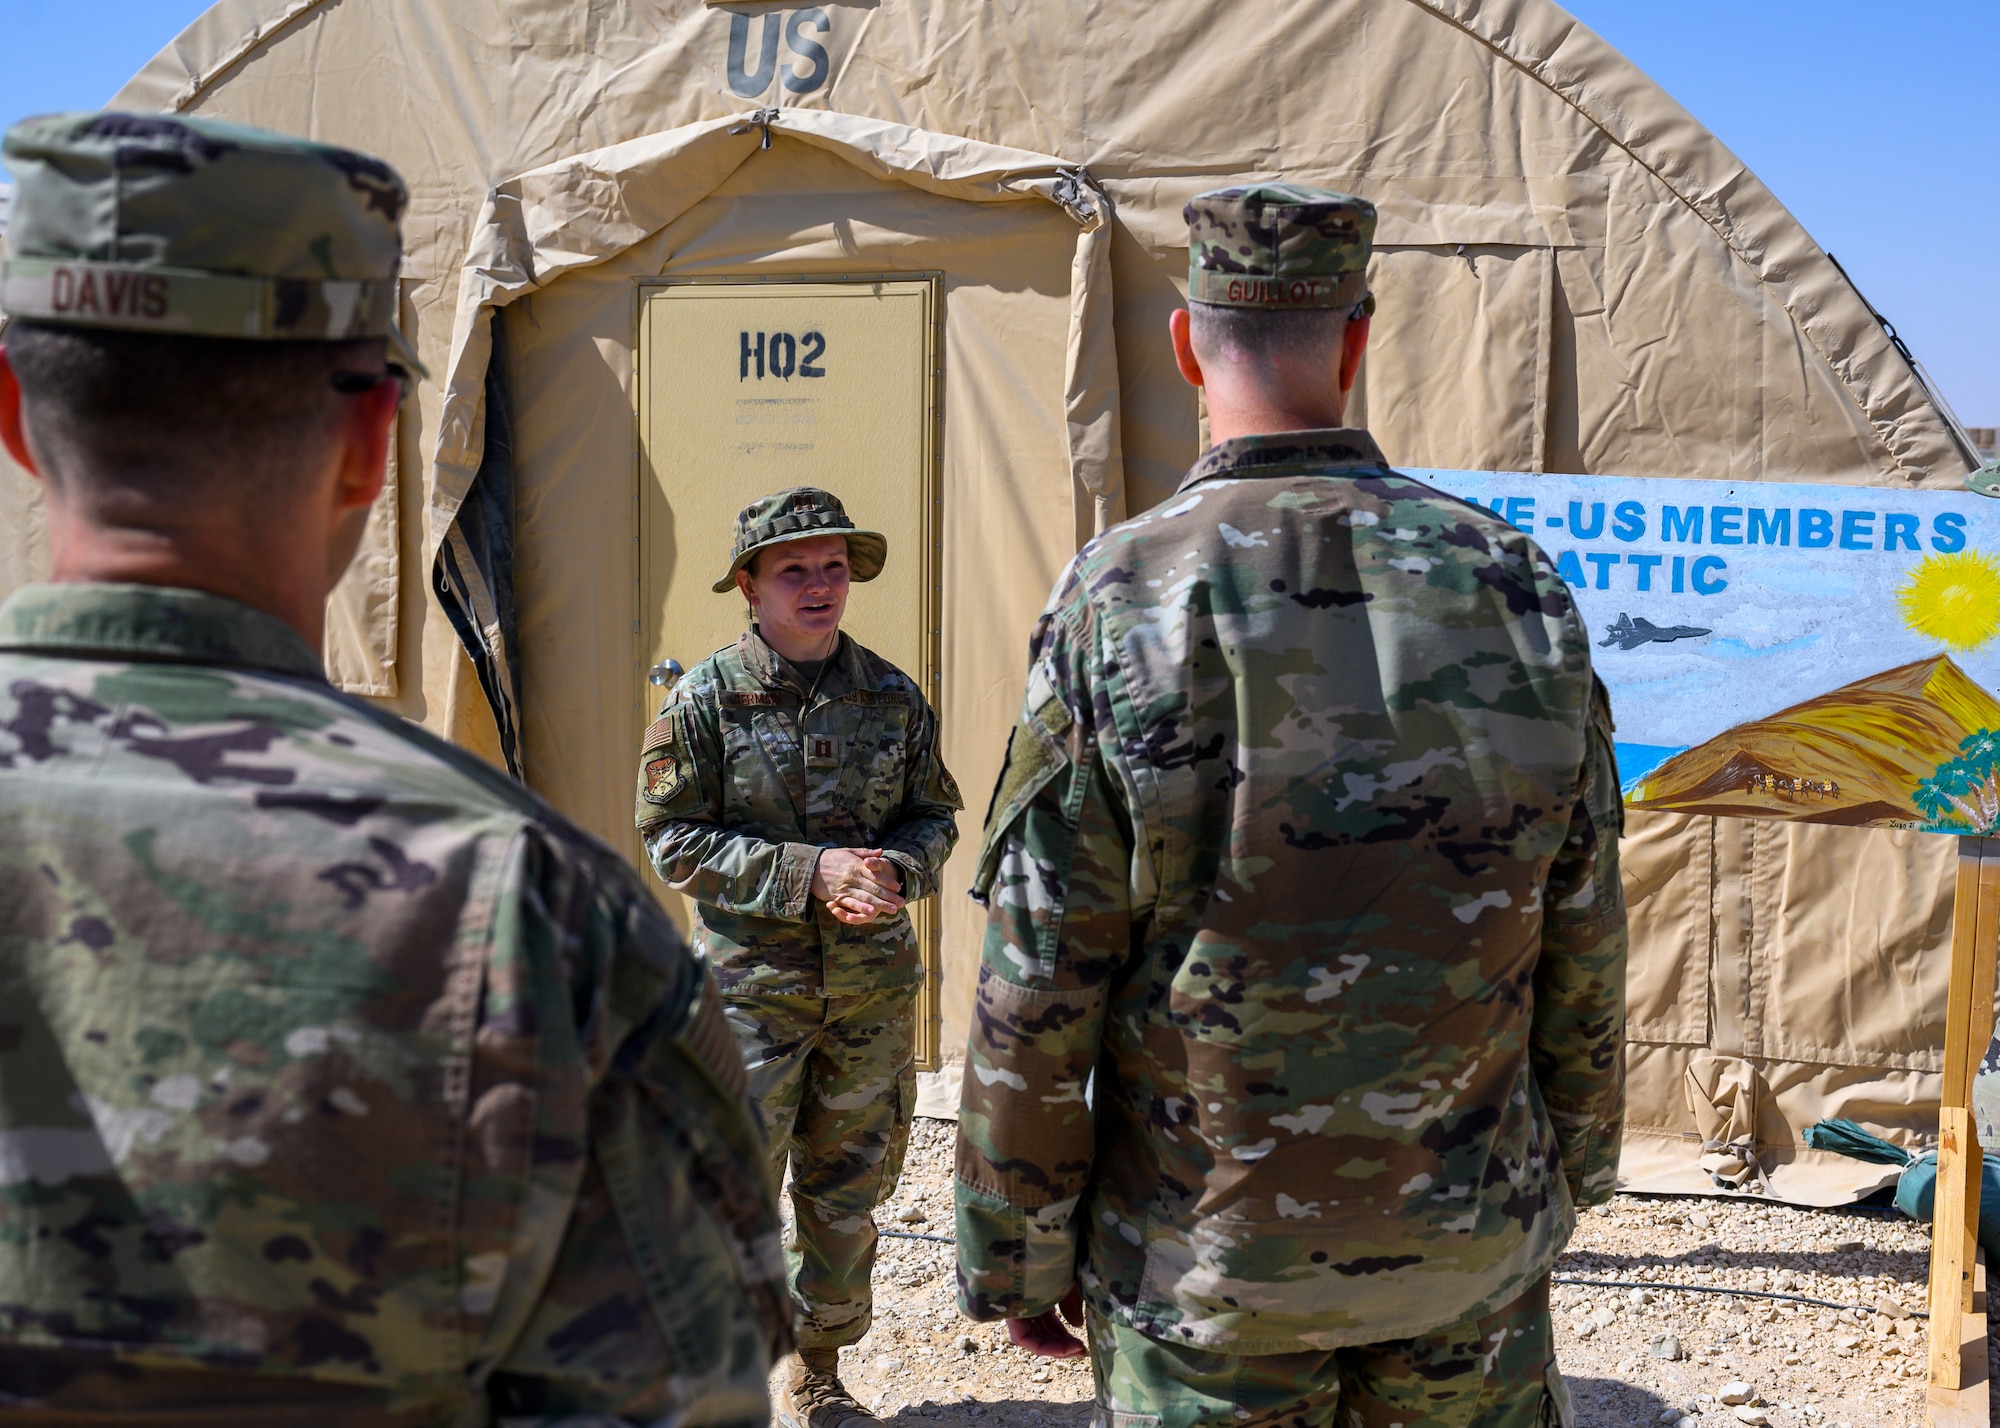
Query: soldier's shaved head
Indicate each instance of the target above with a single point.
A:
(184, 418)
(1256, 337)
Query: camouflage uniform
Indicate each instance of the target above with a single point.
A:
(342, 1081)
(339, 1075)
(1305, 850)
(747, 775)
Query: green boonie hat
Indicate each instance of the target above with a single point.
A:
(153, 223)
(1279, 245)
(801, 514)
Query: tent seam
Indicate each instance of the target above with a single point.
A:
(260, 34)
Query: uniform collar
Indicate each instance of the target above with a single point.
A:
(771, 669)
(1280, 453)
(152, 622)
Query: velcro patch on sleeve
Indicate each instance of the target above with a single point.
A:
(1037, 754)
(666, 764)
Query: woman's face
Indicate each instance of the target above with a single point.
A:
(799, 589)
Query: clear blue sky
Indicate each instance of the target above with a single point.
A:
(1877, 125)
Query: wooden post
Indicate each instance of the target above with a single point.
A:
(1956, 1388)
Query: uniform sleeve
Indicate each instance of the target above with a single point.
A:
(926, 829)
(663, 1297)
(679, 816)
(1577, 1040)
(1055, 873)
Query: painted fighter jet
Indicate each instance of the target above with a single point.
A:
(1628, 633)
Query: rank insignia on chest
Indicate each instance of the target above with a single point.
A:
(664, 776)
(822, 751)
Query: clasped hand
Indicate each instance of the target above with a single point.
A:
(858, 885)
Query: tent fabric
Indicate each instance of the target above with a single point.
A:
(577, 212)
(1574, 276)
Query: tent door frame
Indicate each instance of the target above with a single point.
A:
(925, 916)
(1955, 1381)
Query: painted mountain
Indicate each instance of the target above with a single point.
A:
(1912, 747)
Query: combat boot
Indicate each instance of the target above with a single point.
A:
(814, 1397)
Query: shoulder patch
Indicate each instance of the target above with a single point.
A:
(666, 763)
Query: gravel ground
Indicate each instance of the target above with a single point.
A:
(1631, 1357)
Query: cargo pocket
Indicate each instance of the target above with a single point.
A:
(899, 1134)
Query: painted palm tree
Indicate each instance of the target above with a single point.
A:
(1963, 796)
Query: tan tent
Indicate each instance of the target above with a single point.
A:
(975, 209)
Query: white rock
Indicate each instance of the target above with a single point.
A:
(887, 1363)
(912, 1216)
(1747, 1414)
(1640, 1297)
(1737, 1392)
(1699, 1219)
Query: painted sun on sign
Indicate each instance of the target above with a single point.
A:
(1953, 599)
(1823, 654)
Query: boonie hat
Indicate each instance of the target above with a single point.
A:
(156, 223)
(1279, 245)
(802, 513)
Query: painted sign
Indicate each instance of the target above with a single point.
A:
(1822, 653)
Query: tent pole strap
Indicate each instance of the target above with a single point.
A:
(1955, 1393)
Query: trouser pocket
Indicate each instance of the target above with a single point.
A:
(899, 1138)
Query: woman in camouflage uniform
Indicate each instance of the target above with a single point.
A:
(792, 787)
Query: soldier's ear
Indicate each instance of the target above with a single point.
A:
(1353, 343)
(13, 427)
(1180, 329)
(748, 587)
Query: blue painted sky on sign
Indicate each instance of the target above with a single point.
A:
(1712, 604)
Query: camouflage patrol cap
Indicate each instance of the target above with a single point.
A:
(158, 223)
(802, 513)
(1279, 245)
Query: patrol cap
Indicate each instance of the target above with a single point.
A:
(802, 513)
(159, 223)
(1279, 245)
